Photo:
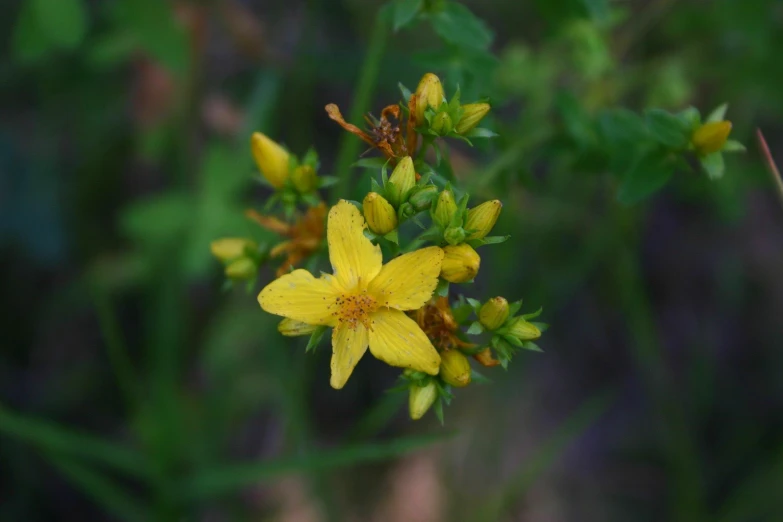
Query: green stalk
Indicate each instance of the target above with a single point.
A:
(349, 144)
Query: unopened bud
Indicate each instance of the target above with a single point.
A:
(454, 235)
(380, 215)
(271, 158)
(294, 328)
(422, 199)
(229, 248)
(482, 218)
(460, 263)
(445, 208)
(442, 124)
(455, 368)
(493, 313)
(420, 399)
(402, 179)
(523, 330)
(711, 137)
(304, 179)
(472, 115)
(429, 93)
(242, 268)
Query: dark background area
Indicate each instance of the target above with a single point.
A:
(133, 388)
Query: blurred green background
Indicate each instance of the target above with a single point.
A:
(133, 388)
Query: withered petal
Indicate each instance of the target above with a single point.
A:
(269, 222)
(334, 113)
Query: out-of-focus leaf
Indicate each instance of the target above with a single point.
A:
(153, 25)
(457, 25)
(668, 129)
(621, 127)
(480, 132)
(718, 114)
(646, 176)
(30, 42)
(159, 218)
(111, 49)
(404, 12)
(63, 21)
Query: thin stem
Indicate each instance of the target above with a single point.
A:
(773, 169)
(349, 145)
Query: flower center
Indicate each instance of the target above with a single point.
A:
(355, 308)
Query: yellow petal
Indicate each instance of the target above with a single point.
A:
(301, 296)
(271, 158)
(397, 340)
(348, 346)
(407, 282)
(355, 260)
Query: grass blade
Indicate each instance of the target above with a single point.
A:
(233, 477)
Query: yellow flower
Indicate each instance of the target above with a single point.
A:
(364, 300)
(229, 248)
(494, 313)
(271, 158)
(455, 368)
(460, 264)
(379, 213)
(711, 137)
(240, 269)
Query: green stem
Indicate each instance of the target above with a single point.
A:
(349, 144)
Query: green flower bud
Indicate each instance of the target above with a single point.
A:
(229, 248)
(454, 235)
(294, 328)
(493, 313)
(445, 208)
(442, 124)
(472, 114)
(711, 137)
(422, 199)
(304, 178)
(429, 93)
(402, 179)
(241, 269)
(380, 215)
(460, 263)
(455, 368)
(271, 158)
(482, 218)
(420, 399)
(523, 330)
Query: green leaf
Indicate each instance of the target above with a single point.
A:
(713, 165)
(457, 25)
(648, 175)
(480, 132)
(475, 303)
(327, 181)
(63, 21)
(370, 163)
(111, 49)
(315, 338)
(404, 13)
(733, 146)
(406, 93)
(533, 347)
(621, 127)
(157, 219)
(533, 315)
(30, 42)
(227, 479)
(718, 114)
(476, 328)
(667, 129)
(442, 289)
(438, 408)
(514, 307)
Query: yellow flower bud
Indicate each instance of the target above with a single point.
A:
(523, 330)
(293, 328)
(429, 93)
(455, 368)
(442, 124)
(420, 400)
(711, 137)
(472, 115)
(242, 268)
(445, 208)
(493, 313)
(229, 248)
(380, 215)
(482, 218)
(271, 158)
(402, 179)
(304, 179)
(460, 264)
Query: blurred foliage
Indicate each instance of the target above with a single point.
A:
(133, 389)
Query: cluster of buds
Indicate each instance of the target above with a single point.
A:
(364, 302)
